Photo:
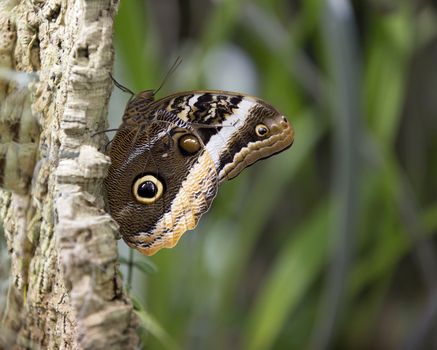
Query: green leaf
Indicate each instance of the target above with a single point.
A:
(145, 266)
(152, 326)
(296, 268)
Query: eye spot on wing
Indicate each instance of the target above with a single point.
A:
(261, 130)
(189, 144)
(147, 189)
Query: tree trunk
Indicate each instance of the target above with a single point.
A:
(65, 290)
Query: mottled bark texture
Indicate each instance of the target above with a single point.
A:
(65, 291)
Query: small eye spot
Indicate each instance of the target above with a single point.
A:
(261, 130)
(147, 189)
(189, 144)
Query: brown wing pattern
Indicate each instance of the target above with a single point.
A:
(187, 144)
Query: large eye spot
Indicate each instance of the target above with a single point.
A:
(261, 130)
(147, 189)
(189, 144)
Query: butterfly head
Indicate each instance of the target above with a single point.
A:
(146, 96)
(137, 107)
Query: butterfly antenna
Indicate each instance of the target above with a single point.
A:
(121, 87)
(107, 145)
(103, 131)
(172, 69)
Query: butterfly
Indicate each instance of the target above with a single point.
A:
(169, 157)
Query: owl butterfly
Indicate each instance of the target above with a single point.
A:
(169, 156)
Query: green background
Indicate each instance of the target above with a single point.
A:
(331, 243)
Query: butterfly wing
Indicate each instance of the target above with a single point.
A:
(194, 198)
(231, 131)
(190, 182)
(228, 124)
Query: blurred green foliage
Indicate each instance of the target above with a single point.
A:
(331, 243)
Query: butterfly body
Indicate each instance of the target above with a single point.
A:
(169, 157)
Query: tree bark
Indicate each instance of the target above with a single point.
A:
(65, 290)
